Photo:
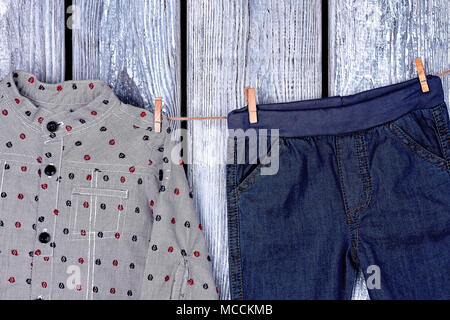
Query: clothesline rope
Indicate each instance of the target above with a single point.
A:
(195, 118)
(224, 117)
(444, 73)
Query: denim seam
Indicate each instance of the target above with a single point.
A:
(234, 243)
(363, 196)
(424, 154)
(354, 228)
(368, 185)
(249, 181)
(366, 193)
(239, 261)
(427, 155)
(365, 175)
(344, 193)
(341, 172)
(253, 177)
(447, 135)
(363, 191)
(443, 132)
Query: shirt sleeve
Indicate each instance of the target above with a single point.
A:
(178, 265)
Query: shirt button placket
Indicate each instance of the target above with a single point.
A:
(47, 211)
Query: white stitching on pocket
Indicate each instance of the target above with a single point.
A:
(123, 194)
(94, 223)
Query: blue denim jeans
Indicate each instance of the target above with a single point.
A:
(362, 183)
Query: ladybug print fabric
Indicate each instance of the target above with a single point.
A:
(92, 205)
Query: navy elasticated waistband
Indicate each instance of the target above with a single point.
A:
(340, 115)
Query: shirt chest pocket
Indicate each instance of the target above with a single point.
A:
(112, 205)
(97, 210)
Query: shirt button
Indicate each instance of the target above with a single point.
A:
(44, 237)
(50, 170)
(52, 126)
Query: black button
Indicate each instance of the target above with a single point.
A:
(44, 237)
(50, 170)
(52, 126)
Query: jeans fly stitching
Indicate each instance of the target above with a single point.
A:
(344, 193)
(366, 193)
(367, 181)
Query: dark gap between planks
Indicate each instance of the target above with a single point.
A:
(68, 74)
(68, 45)
(325, 49)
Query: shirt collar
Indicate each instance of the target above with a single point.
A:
(73, 105)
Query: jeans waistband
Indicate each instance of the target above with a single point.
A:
(341, 115)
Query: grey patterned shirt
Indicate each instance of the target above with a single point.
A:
(93, 205)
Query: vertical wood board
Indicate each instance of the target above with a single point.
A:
(274, 46)
(32, 38)
(134, 45)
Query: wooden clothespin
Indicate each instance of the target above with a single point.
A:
(157, 114)
(422, 76)
(250, 97)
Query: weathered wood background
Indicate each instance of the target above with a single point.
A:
(272, 45)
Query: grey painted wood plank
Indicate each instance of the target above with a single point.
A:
(32, 38)
(272, 45)
(134, 45)
(374, 43)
